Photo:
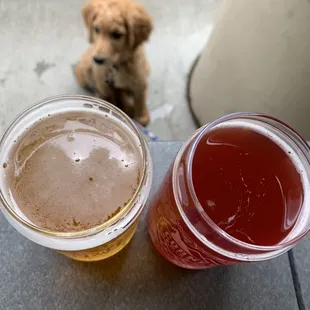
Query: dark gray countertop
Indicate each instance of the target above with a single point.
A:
(300, 260)
(33, 277)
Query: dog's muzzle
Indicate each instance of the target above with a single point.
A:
(98, 60)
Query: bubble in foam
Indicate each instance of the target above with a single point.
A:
(88, 105)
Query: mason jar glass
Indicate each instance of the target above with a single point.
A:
(186, 220)
(98, 242)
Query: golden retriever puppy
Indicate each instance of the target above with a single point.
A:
(115, 63)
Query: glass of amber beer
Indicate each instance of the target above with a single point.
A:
(76, 173)
(238, 191)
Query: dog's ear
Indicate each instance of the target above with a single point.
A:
(89, 14)
(139, 24)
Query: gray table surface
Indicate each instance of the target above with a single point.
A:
(33, 277)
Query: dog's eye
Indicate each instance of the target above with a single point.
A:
(116, 35)
(96, 29)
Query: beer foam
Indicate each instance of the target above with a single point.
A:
(73, 170)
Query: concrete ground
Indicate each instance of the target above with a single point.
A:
(41, 40)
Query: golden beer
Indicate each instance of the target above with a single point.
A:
(76, 176)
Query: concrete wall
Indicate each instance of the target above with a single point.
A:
(257, 59)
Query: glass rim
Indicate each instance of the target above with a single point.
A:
(197, 138)
(98, 228)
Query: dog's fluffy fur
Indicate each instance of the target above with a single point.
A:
(117, 31)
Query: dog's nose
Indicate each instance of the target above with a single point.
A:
(99, 60)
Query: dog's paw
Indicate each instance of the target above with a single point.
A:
(143, 119)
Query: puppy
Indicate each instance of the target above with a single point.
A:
(115, 63)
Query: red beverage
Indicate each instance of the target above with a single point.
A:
(242, 179)
(237, 192)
